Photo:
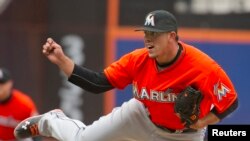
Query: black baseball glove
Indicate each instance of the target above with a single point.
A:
(187, 105)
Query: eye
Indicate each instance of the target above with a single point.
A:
(149, 33)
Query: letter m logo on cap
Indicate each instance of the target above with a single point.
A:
(150, 20)
(1, 74)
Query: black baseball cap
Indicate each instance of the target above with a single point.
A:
(159, 21)
(4, 75)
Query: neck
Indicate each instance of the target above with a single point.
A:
(173, 57)
(5, 98)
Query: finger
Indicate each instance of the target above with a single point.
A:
(178, 115)
(45, 52)
(51, 45)
(46, 45)
(184, 123)
(193, 126)
(47, 49)
(50, 41)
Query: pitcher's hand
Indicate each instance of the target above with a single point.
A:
(53, 51)
(55, 54)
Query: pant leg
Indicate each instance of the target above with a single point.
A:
(125, 123)
(60, 127)
(129, 122)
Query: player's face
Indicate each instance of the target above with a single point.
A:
(5, 89)
(157, 43)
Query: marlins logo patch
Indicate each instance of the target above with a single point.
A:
(150, 20)
(220, 90)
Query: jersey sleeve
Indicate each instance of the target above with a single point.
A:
(27, 105)
(222, 91)
(119, 73)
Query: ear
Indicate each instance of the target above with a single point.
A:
(173, 35)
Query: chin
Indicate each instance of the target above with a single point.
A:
(151, 55)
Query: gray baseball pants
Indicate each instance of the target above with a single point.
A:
(130, 122)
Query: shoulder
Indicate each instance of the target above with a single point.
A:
(139, 51)
(136, 53)
(139, 54)
(199, 60)
(133, 56)
(197, 56)
(22, 98)
(193, 51)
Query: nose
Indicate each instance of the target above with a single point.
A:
(147, 40)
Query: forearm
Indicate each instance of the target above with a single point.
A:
(95, 82)
(214, 116)
(66, 65)
(210, 119)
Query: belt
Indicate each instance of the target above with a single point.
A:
(188, 130)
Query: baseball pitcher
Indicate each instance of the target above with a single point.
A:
(178, 90)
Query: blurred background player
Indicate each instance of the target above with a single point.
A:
(15, 106)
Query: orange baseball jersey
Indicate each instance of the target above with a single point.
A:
(16, 109)
(157, 90)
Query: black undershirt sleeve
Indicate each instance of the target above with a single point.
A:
(95, 82)
(227, 112)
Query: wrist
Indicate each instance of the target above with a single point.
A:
(63, 61)
(209, 119)
(66, 65)
(202, 123)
